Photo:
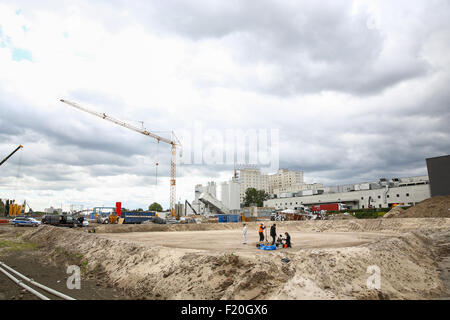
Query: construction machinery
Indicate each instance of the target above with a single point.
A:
(17, 149)
(174, 142)
(186, 204)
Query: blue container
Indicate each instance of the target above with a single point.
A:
(137, 217)
(228, 218)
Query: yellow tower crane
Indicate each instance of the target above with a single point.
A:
(175, 143)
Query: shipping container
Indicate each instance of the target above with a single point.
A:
(138, 217)
(224, 218)
(328, 207)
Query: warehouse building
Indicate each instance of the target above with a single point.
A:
(381, 194)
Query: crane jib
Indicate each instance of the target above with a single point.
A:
(147, 133)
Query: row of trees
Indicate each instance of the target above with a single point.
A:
(155, 206)
(2, 208)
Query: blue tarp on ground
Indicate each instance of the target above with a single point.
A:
(263, 247)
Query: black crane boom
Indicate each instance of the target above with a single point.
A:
(4, 160)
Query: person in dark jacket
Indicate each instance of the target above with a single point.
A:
(261, 232)
(273, 232)
(288, 240)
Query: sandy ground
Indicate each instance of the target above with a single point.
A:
(232, 240)
(330, 259)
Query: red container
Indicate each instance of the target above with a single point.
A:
(328, 207)
(118, 208)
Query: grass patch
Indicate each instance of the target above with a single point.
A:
(16, 245)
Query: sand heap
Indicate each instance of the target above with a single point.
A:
(395, 212)
(341, 216)
(406, 262)
(436, 207)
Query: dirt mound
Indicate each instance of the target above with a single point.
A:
(360, 225)
(407, 264)
(341, 216)
(395, 212)
(431, 208)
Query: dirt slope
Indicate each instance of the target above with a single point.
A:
(391, 225)
(394, 212)
(430, 208)
(407, 263)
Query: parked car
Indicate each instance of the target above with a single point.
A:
(59, 220)
(82, 222)
(25, 221)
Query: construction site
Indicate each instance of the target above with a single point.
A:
(328, 259)
(326, 250)
(233, 151)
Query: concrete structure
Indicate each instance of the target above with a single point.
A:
(285, 181)
(256, 212)
(51, 210)
(212, 205)
(380, 195)
(252, 178)
(439, 172)
(230, 194)
(198, 205)
(179, 209)
(296, 188)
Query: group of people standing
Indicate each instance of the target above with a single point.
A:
(283, 242)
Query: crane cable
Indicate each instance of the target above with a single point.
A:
(19, 167)
(157, 163)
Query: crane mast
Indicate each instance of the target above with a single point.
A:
(174, 144)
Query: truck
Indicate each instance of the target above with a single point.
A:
(138, 216)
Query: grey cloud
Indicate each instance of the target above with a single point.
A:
(311, 46)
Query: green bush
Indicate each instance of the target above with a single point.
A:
(366, 215)
(371, 213)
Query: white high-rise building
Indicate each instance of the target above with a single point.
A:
(252, 178)
(286, 181)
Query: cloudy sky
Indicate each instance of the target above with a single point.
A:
(357, 89)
